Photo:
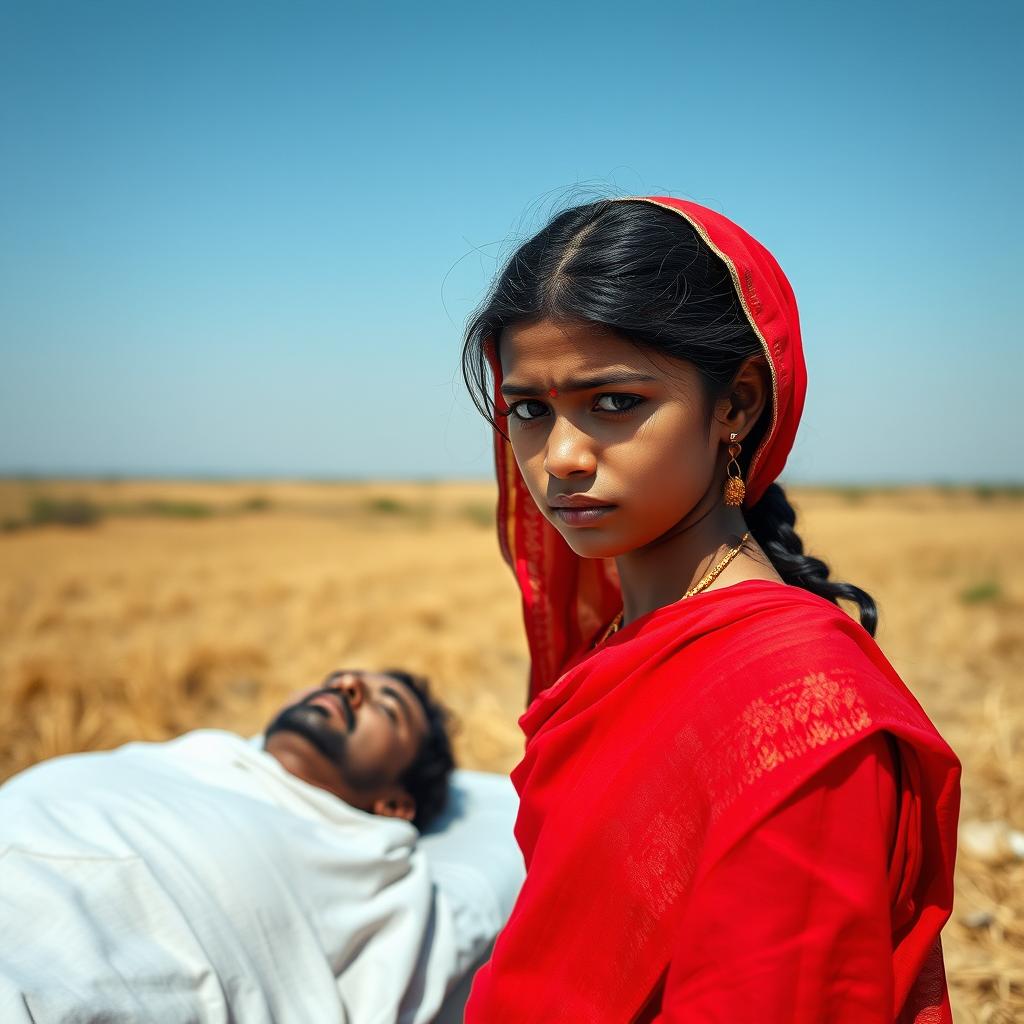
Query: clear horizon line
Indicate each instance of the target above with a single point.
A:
(211, 476)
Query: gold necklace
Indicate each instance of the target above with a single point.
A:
(705, 581)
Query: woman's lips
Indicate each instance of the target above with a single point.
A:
(588, 515)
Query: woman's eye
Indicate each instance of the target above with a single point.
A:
(617, 403)
(390, 712)
(528, 409)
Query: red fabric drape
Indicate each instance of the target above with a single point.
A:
(694, 755)
(651, 767)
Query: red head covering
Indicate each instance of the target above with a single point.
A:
(567, 599)
(769, 305)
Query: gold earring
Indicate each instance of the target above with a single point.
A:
(734, 489)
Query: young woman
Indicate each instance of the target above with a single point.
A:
(732, 809)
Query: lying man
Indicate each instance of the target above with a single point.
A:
(216, 878)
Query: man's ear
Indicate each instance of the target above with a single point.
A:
(396, 805)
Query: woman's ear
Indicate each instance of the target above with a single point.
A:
(396, 805)
(741, 407)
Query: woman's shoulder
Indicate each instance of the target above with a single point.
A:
(788, 671)
(760, 614)
(772, 615)
(759, 591)
(775, 594)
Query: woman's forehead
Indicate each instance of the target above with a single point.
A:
(546, 353)
(548, 338)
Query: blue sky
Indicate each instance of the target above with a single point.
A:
(244, 238)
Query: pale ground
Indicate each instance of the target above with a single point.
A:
(145, 625)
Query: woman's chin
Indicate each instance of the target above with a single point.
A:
(593, 543)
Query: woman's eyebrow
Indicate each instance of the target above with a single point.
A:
(510, 388)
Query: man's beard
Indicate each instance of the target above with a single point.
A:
(311, 722)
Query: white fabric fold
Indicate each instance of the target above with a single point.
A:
(197, 880)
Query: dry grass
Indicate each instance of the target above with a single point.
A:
(207, 604)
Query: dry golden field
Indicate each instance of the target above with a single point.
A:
(206, 604)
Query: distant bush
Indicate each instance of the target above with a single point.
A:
(175, 509)
(986, 492)
(257, 503)
(49, 511)
(478, 513)
(853, 495)
(990, 590)
(386, 506)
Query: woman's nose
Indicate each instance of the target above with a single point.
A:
(569, 451)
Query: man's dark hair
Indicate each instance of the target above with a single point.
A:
(426, 779)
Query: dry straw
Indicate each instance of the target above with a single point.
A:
(186, 605)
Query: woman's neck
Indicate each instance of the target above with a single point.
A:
(662, 571)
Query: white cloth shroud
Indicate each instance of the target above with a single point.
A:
(198, 880)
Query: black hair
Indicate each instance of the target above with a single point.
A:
(426, 778)
(644, 272)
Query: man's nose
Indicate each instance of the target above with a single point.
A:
(353, 687)
(569, 452)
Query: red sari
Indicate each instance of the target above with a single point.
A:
(731, 810)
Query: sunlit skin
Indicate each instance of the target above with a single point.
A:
(353, 736)
(594, 416)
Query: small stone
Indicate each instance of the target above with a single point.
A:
(994, 842)
(978, 919)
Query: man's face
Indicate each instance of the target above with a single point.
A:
(353, 736)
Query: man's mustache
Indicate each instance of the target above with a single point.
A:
(311, 722)
(340, 697)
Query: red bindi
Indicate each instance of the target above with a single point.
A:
(552, 392)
